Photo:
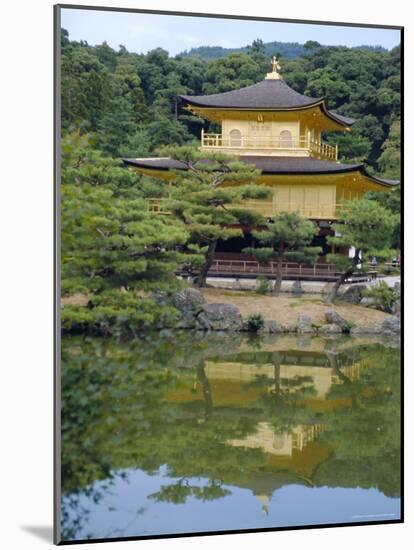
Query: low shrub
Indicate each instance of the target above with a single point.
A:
(262, 285)
(383, 296)
(255, 322)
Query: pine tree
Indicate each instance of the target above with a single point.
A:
(368, 227)
(206, 201)
(287, 237)
(113, 250)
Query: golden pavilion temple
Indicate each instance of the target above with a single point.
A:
(279, 131)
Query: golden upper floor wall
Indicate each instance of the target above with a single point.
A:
(313, 118)
(313, 196)
(294, 133)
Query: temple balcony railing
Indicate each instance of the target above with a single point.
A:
(289, 269)
(268, 208)
(296, 146)
(321, 271)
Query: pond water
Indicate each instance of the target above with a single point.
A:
(188, 432)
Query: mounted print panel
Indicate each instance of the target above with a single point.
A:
(229, 293)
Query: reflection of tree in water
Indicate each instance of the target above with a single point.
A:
(98, 377)
(115, 416)
(112, 398)
(366, 434)
(179, 492)
(74, 514)
(205, 384)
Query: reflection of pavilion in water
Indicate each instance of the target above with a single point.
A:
(321, 368)
(280, 444)
(292, 455)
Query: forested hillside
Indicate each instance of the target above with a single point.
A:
(287, 50)
(128, 100)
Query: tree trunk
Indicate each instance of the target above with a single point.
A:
(333, 363)
(334, 292)
(332, 296)
(278, 280)
(208, 400)
(276, 371)
(202, 276)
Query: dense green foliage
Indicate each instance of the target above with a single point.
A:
(392, 202)
(130, 98)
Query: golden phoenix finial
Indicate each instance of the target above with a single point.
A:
(275, 64)
(274, 75)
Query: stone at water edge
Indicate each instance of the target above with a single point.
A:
(184, 299)
(353, 294)
(188, 298)
(333, 317)
(271, 327)
(330, 328)
(391, 324)
(188, 301)
(219, 317)
(366, 329)
(305, 324)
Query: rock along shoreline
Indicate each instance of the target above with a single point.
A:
(195, 313)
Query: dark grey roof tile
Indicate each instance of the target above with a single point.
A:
(267, 94)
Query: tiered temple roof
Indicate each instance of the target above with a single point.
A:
(269, 94)
(274, 102)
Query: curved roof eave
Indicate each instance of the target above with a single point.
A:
(339, 119)
(281, 166)
(161, 163)
(188, 100)
(376, 179)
